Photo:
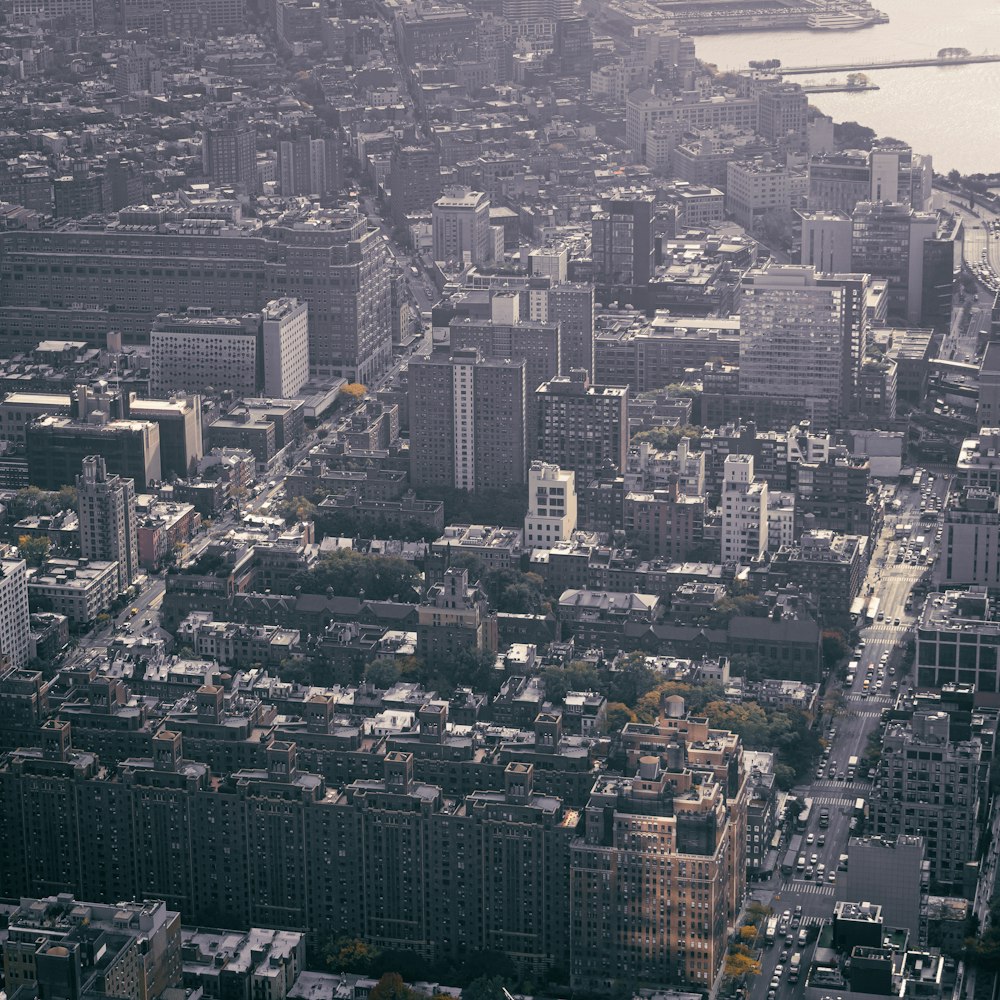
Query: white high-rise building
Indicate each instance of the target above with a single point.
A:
(285, 345)
(107, 519)
(744, 511)
(460, 220)
(551, 513)
(15, 619)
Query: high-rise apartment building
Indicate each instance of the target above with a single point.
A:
(229, 152)
(582, 427)
(838, 181)
(306, 166)
(173, 18)
(571, 305)
(340, 267)
(507, 335)
(888, 242)
(467, 428)
(138, 71)
(56, 447)
(744, 511)
(783, 115)
(285, 347)
(201, 351)
(928, 786)
(414, 180)
(622, 240)
(551, 513)
(889, 869)
(460, 220)
(826, 242)
(107, 519)
(802, 337)
(81, 11)
(15, 619)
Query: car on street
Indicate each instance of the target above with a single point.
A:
(813, 859)
(840, 776)
(798, 909)
(821, 840)
(831, 876)
(809, 872)
(811, 838)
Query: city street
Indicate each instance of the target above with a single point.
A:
(860, 715)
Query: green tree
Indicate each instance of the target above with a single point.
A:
(294, 509)
(391, 987)
(835, 647)
(348, 573)
(34, 549)
(618, 715)
(484, 988)
(629, 683)
(382, 673)
(740, 966)
(667, 438)
(347, 954)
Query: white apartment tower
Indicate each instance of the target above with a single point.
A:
(107, 519)
(15, 619)
(744, 511)
(551, 513)
(285, 345)
(460, 220)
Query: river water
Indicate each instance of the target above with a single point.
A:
(951, 112)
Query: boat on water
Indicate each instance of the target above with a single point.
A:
(836, 21)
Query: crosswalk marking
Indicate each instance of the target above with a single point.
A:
(852, 786)
(813, 888)
(813, 920)
(832, 800)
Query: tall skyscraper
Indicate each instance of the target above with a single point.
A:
(581, 427)
(304, 166)
(229, 152)
(507, 335)
(888, 242)
(15, 619)
(414, 180)
(107, 519)
(622, 237)
(571, 305)
(799, 338)
(744, 511)
(461, 226)
(285, 346)
(467, 427)
(341, 268)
